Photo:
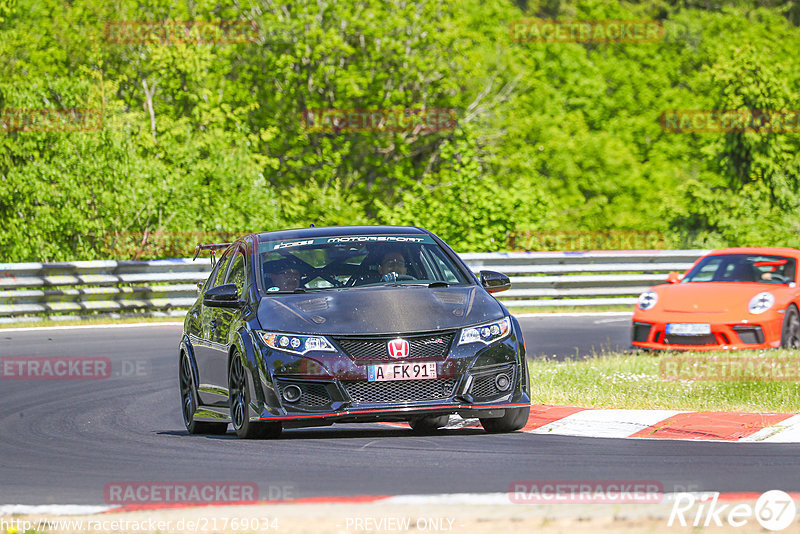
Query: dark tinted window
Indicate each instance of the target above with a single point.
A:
(760, 268)
(357, 261)
(237, 272)
(218, 275)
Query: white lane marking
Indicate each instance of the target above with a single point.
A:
(446, 498)
(615, 320)
(54, 509)
(86, 326)
(787, 431)
(573, 314)
(605, 423)
(507, 498)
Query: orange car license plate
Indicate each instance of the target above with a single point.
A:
(401, 371)
(688, 329)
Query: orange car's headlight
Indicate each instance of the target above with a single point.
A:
(647, 300)
(761, 303)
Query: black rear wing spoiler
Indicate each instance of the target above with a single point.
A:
(213, 248)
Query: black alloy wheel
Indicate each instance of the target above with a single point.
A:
(790, 333)
(240, 405)
(189, 402)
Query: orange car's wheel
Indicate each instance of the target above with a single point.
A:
(790, 333)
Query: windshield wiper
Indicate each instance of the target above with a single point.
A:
(286, 292)
(438, 284)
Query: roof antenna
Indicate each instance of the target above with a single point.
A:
(313, 225)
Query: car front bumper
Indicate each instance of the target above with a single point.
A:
(763, 333)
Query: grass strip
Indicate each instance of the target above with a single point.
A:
(742, 381)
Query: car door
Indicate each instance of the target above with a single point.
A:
(205, 351)
(224, 319)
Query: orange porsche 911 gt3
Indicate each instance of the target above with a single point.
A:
(733, 298)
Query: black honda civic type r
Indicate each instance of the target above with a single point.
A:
(316, 326)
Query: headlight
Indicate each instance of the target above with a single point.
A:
(486, 333)
(647, 300)
(761, 303)
(296, 343)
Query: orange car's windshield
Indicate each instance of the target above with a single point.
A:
(760, 268)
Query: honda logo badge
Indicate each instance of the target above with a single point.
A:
(398, 348)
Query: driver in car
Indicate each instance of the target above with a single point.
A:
(285, 276)
(391, 266)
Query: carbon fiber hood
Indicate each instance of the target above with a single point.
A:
(378, 310)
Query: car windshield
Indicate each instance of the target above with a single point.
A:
(743, 268)
(341, 262)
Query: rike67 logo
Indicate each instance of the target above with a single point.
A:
(774, 510)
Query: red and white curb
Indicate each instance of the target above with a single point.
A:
(654, 424)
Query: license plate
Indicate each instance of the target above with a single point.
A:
(688, 329)
(401, 371)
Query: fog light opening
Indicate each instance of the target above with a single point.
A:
(502, 382)
(292, 393)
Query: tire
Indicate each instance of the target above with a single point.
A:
(189, 402)
(239, 397)
(514, 419)
(790, 332)
(428, 423)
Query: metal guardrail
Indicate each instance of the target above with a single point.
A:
(80, 289)
(72, 290)
(591, 278)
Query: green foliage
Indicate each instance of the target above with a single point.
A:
(465, 209)
(6, 7)
(206, 140)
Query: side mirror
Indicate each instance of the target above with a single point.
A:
(224, 296)
(674, 278)
(494, 282)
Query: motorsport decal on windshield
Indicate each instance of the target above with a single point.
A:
(348, 239)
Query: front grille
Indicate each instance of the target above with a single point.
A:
(749, 334)
(641, 331)
(399, 391)
(314, 395)
(484, 388)
(430, 347)
(708, 339)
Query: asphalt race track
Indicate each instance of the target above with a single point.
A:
(64, 440)
(560, 337)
